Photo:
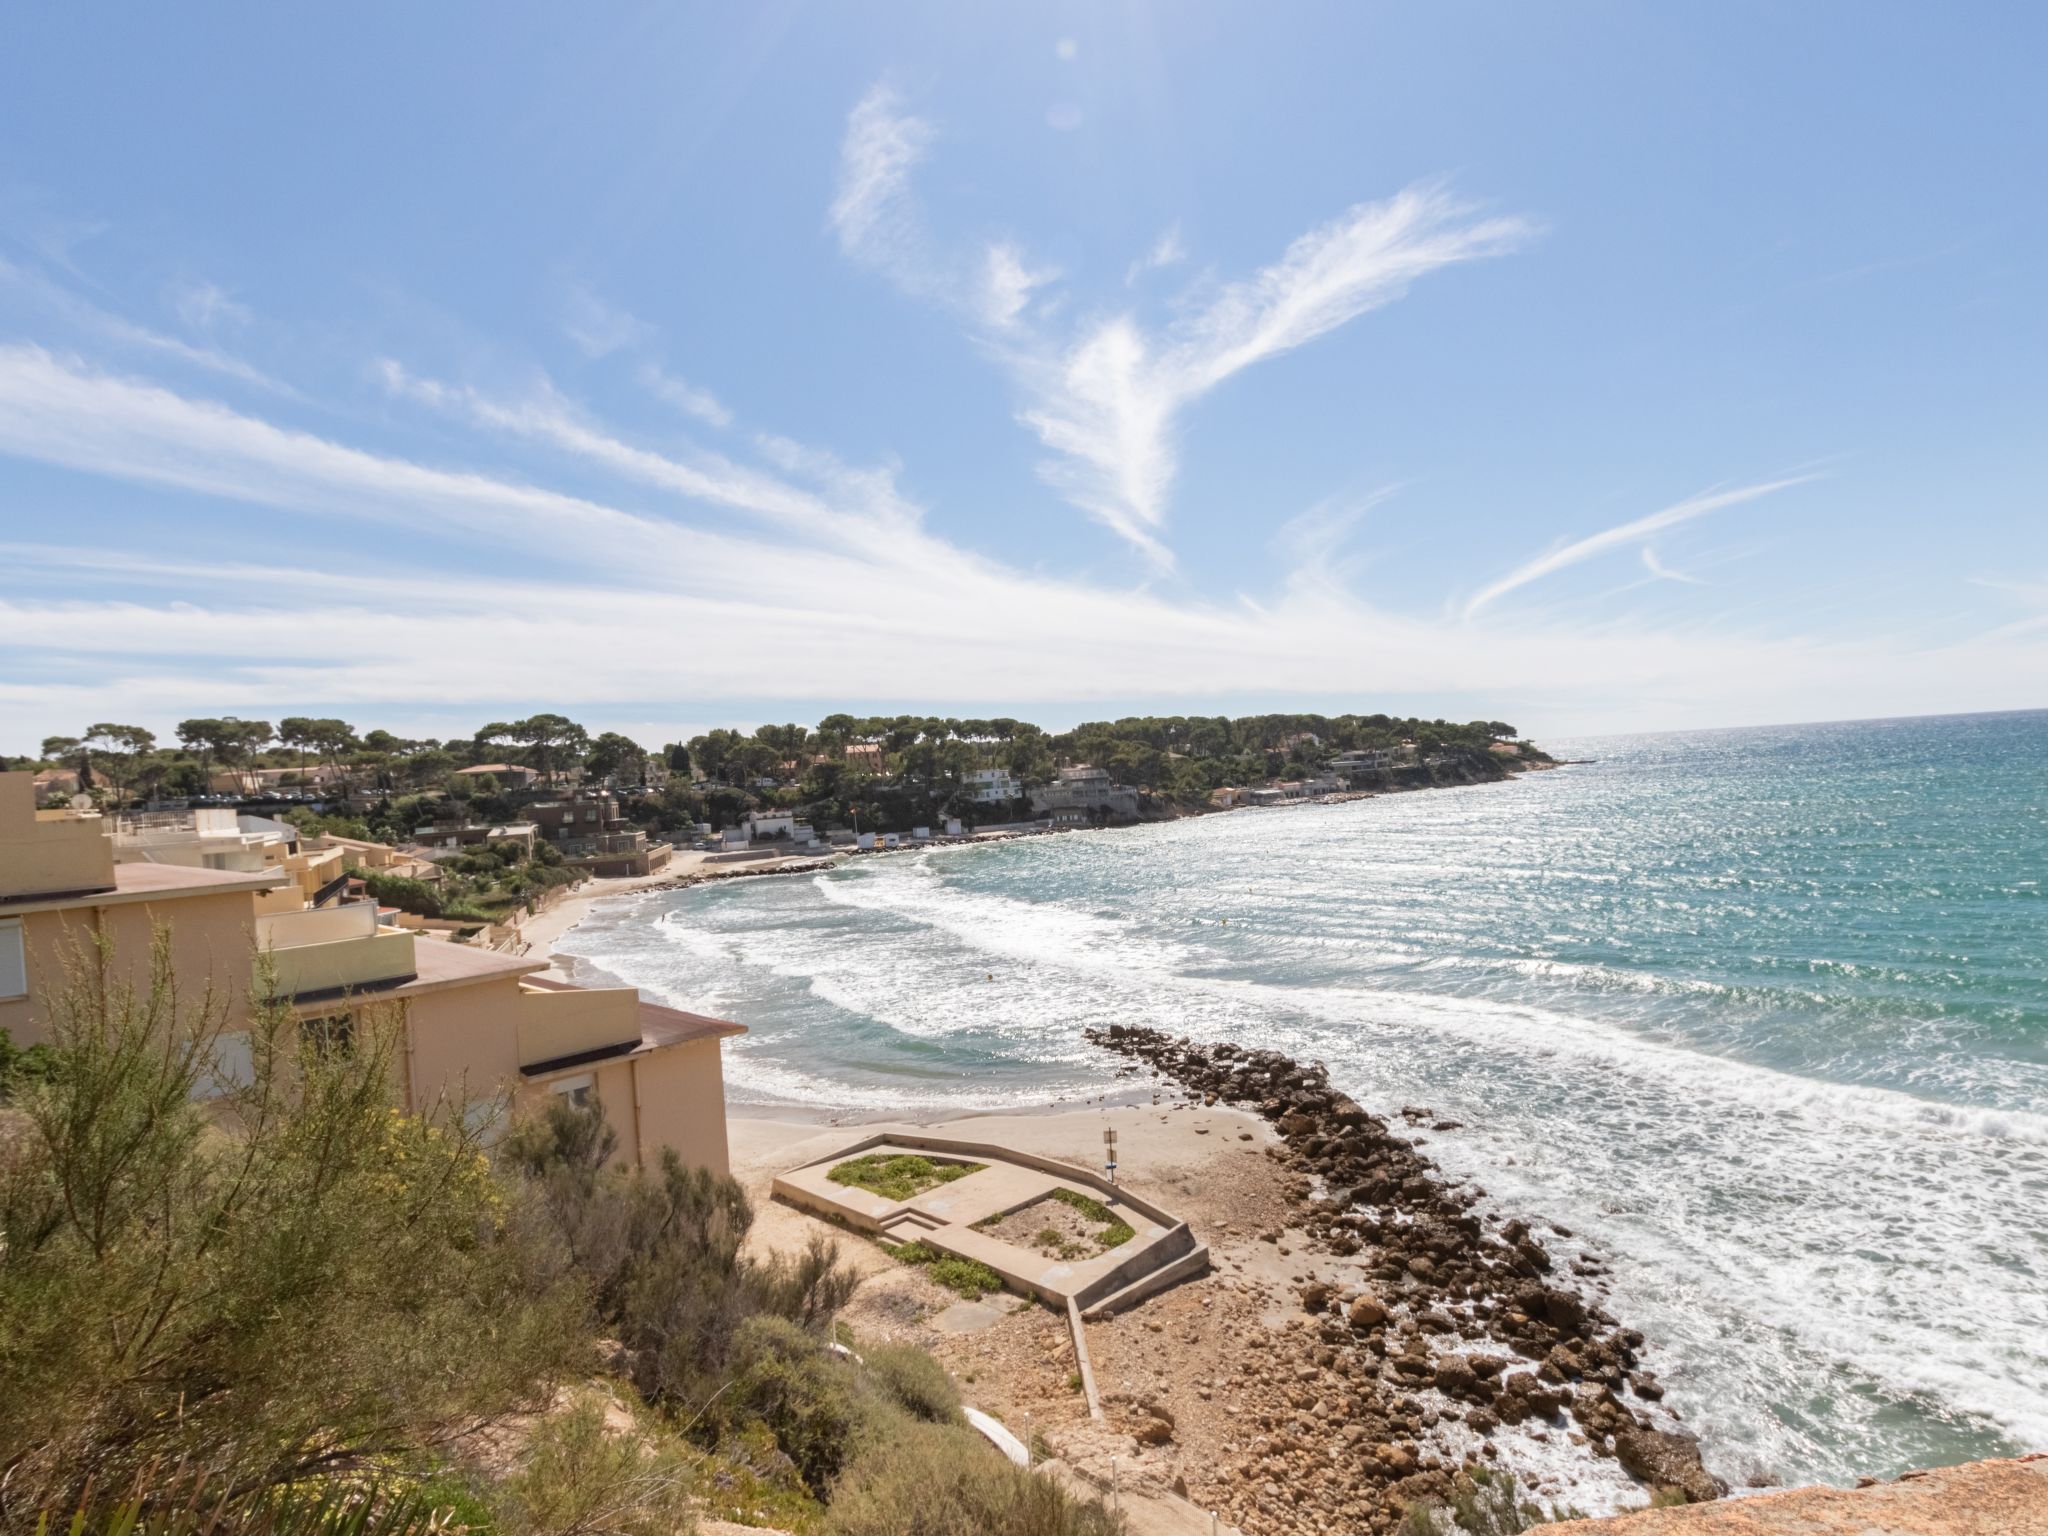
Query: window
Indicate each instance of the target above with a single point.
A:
(580, 1090)
(331, 1037)
(13, 960)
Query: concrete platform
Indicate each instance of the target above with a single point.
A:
(1161, 1250)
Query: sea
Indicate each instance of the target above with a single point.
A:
(1760, 1016)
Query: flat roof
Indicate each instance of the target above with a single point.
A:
(660, 1027)
(146, 882)
(437, 966)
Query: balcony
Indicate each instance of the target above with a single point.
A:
(333, 949)
(561, 1024)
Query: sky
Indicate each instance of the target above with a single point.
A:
(1598, 368)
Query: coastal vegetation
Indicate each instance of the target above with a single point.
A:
(969, 1278)
(899, 1176)
(879, 773)
(236, 1278)
(1065, 1224)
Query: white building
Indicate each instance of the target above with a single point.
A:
(777, 826)
(991, 786)
(1087, 789)
(205, 838)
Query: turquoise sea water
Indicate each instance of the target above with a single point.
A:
(1761, 1015)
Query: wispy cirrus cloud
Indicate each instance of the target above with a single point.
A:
(1106, 395)
(711, 479)
(81, 315)
(642, 606)
(599, 327)
(1107, 399)
(205, 306)
(1663, 572)
(690, 399)
(1166, 251)
(873, 213)
(1621, 536)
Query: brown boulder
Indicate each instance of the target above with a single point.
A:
(1666, 1460)
(1366, 1312)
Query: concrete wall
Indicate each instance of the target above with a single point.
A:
(210, 937)
(682, 1103)
(52, 852)
(552, 1024)
(464, 1041)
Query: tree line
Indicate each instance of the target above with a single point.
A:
(886, 772)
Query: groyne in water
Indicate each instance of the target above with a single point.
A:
(1445, 1302)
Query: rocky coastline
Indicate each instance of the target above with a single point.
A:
(1453, 1326)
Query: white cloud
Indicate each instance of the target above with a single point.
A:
(872, 212)
(1107, 402)
(58, 411)
(1166, 251)
(599, 327)
(1663, 572)
(1106, 398)
(708, 478)
(1064, 116)
(1008, 285)
(1312, 540)
(1619, 537)
(1066, 48)
(203, 306)
(85, 316)
(684, 396)
(642, 610)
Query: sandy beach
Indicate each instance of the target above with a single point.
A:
(542, 931)
(1211, 1390)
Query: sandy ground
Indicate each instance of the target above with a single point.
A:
(1013, 1357)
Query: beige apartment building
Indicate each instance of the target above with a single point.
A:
(478, 1026)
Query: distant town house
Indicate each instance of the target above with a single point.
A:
(591, 836)
(777, 826)
(1089, 790)
(510, 775)
(992, 786)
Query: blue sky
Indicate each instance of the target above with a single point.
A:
(1595, 367)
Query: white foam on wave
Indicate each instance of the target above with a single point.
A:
(1811, 1256)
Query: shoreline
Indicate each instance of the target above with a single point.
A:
(540, 933)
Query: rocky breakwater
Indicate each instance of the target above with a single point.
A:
(1452, 1326)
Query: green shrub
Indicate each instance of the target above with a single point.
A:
(915, 1381)
(262, 1290)
(934, 1480)
(659, 1250)
(899, 1176)
(970, 1277)
(579, 1480)
(21, 1069)
(157, 1508)
(1114, 1232)
(1483, 1501)
(404, 893)
(812, 1400)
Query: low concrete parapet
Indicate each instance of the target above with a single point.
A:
(1162, 1251)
